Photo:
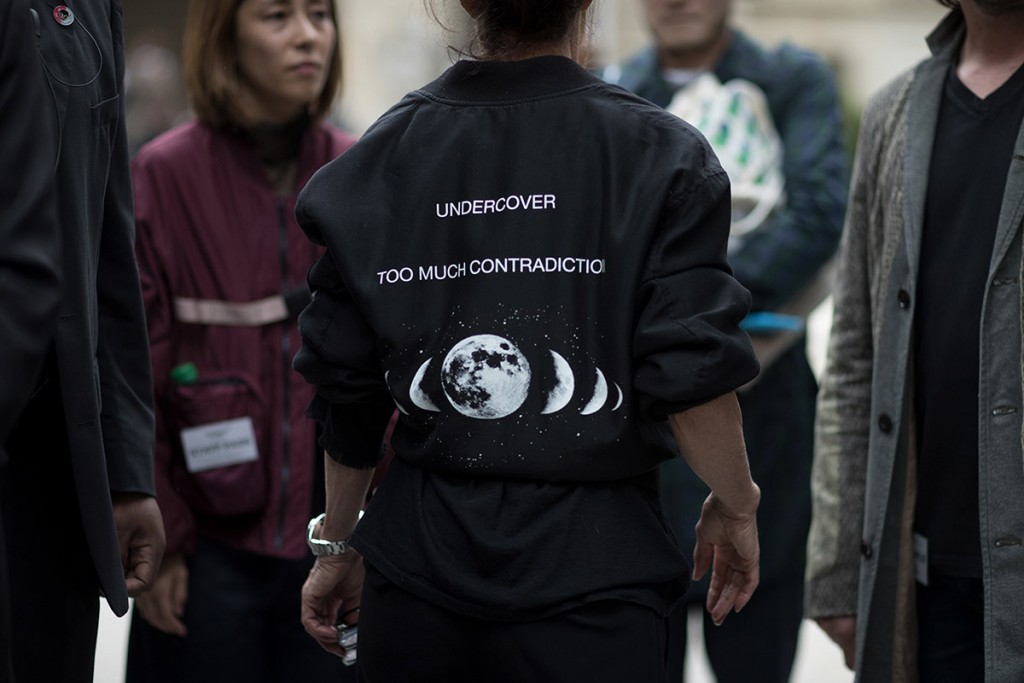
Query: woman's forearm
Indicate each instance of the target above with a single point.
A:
(710, 439)
(346, 492)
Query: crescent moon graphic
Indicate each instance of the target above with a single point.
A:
(398, 405)
(600, 395)
(618, 403)
(565, 384)
(419, 397)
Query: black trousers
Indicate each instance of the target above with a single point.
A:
(53, 589)
(6, 665)
(757, 644)
(404, 639)
(242, 616)
(951, 629)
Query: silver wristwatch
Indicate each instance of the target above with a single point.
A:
(321, 548)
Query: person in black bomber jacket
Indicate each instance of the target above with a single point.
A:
(530, 264)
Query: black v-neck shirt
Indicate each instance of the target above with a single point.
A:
(971, 155)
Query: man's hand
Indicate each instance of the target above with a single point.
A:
(140, 531)
(727, 543)
(334, 584)
(843, 631)
(164, 605)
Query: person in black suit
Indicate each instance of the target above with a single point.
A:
(30, 257)
(29, 243)
(77, 501)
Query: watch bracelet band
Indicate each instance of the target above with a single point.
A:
(320, 547)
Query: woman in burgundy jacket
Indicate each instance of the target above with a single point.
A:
(223, 266)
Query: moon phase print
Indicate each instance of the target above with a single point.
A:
(485, 377)
(493, 377)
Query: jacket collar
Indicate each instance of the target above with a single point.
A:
(642, 73)
(741, 52)
(949, 34)
(924, 102)
(312, 154)
(483, 82)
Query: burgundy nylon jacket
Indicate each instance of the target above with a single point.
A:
(214, 237)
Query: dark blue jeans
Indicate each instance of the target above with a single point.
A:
(242, 616)
(951, 630)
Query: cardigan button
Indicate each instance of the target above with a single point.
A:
(865, 549)
(885, 423)
(903, 298)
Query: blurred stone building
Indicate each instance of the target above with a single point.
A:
(392, 46)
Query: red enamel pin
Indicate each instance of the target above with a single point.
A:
(63, 15)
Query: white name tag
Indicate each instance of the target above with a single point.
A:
(921, 559)
(219, 444)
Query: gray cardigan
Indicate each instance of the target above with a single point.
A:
(860, 558)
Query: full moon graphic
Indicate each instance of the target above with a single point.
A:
(485, 377)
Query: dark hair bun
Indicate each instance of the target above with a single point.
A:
(505, 24)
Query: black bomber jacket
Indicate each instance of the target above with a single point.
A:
(531, 265)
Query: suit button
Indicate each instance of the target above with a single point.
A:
(903, 298)
(885, 423)
(865, 549)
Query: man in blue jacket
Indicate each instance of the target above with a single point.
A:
(777, 262)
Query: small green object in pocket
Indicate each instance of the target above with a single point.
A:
(186, 373)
